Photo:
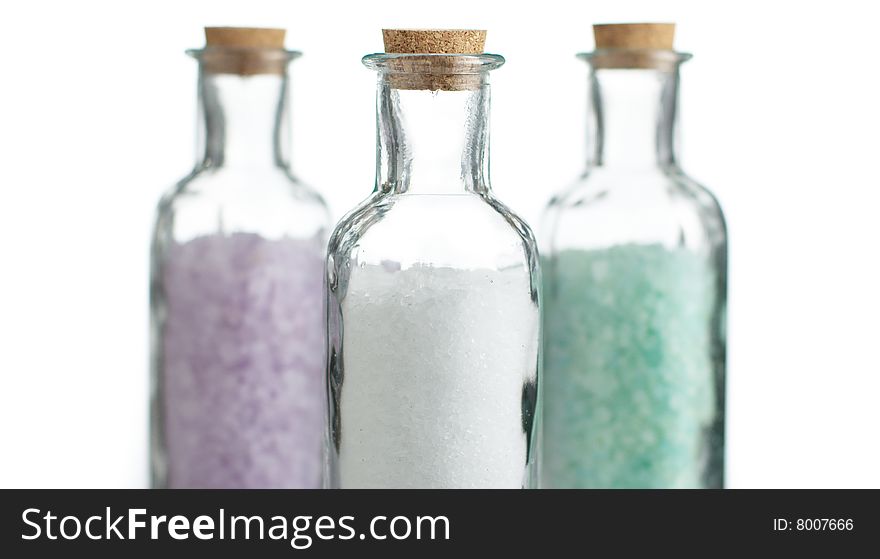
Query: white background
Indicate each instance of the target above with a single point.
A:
(780, 119)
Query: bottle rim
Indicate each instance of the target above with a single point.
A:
(268, 54)
(646, 59)
(424, 63)
(243, 61)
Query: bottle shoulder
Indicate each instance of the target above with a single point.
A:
(599, 184)
(466, 229)
(272, 202)
(606, 206)
(517, 223)
(230, 183)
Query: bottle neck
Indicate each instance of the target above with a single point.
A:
(633, 115)
(432, 142)
(244, 120)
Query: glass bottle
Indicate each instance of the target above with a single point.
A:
(635, 270)
(236, 293)
(433, 290)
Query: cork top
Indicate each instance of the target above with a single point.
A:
(244, 37)
(635, 46)
(434, 59)
(654, 36)
(434, 41)
(244, 51)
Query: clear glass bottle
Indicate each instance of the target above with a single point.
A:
(433, 290)
(236, 295)
(635, 278)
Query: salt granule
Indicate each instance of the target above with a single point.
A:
(436, 361)
(242, 362)
(629, 378)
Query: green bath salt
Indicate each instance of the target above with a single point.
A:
(630, 395)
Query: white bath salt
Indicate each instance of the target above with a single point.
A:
(436, 363)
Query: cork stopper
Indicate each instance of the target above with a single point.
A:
(433, 72)
(244, 37)
(434, 41)
(244, 51)
(634, 46)
(657, 36)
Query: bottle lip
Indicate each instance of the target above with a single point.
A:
(617, 58)
(432, 63)
(266, 53)
(243, 61)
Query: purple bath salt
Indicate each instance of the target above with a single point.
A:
(242, 362)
